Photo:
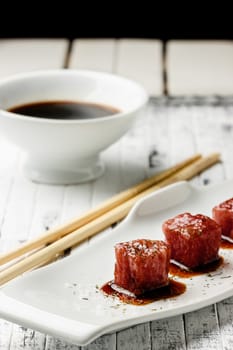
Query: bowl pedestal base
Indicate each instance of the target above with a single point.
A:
(75, 172)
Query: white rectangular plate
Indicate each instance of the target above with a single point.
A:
(63, 299)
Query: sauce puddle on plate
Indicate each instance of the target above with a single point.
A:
(226, 244)
(176, 270)
(173, 289)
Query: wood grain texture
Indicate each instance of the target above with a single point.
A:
(202, 330)
(137, 337)
(168, 334)
(58, 344)
(20, 206)
(107, 342)
(200, 67)
(225, 315)
(157, 138)
(47, 209)
(23, 338)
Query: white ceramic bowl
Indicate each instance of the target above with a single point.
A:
(67, 151)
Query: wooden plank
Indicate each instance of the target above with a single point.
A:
(173, 133)
(202, 331)
(31, 54)
(141, 60)
(58, 344)
(225, 313)
(157, 139)
(20, 207)
(200, 67)
(24, 338)
(182, 142)
(77, 200)
(47, 209)
(106, 342)
(168, 334)
(207, 118)
(5, 334)
(18, 196)
(133, 162)
(93, 54)
(137, 337)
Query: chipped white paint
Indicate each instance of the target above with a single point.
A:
(168, 334)
(24, 338)
(225, 313)
(107, 342)
(137, 337)
(58, 344)
(202, 329)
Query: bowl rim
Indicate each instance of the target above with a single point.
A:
(64, 71)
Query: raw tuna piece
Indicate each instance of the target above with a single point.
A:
(223, 215)
(194, 239)
(141, 265)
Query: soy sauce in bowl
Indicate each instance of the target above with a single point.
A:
(64, 110)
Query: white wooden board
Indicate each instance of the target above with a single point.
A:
(17, 56)
(93, 54)
(200, 68)
(141, 60)
(164, 136)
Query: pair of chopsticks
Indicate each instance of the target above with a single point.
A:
(47, 246)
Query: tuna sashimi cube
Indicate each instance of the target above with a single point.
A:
(223, 215)
(194, 239)
(141, 265)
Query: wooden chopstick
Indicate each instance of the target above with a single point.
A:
(101, 222)
(54, 234)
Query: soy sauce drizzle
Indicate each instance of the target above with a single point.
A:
(176, 270)
(226, 244)
(173, 289)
